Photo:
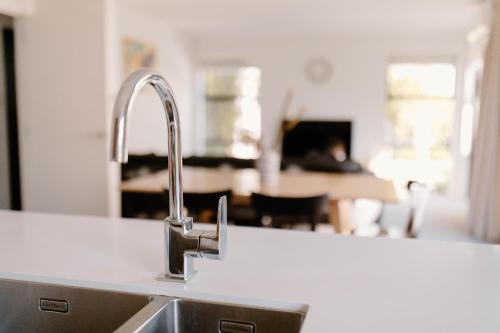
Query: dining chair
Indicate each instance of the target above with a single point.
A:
(143, 205)
(289, 211)
(202, 206)
(139, 165)
(419, 197)
(218, 161)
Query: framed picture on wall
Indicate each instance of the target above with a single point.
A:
(137, 54)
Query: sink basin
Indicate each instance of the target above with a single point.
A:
(37, 307)
(179, 315)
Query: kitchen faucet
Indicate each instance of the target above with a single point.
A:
(182, 242)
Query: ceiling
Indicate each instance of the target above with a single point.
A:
(212, 18)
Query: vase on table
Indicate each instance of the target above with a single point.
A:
(268, 165)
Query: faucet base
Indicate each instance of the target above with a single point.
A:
(165, 277)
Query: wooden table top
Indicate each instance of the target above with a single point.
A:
(292, 183)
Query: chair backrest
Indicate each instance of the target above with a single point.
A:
(200, 202)
(218, 161)
(310, 207)
(419, 196)
(143, 164)
(144, 205)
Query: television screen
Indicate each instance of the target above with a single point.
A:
(308, 136)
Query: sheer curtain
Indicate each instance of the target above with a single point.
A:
(485, 179)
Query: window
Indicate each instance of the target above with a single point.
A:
(420, 110)
(232, 111)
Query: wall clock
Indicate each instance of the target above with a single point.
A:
(318, 71)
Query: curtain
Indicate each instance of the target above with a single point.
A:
(484, 212)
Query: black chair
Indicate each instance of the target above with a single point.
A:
(241, 163)
(289, 210)
(218, 161)
(144, 205)
(202, 206)
(203, 161)
(139, 165)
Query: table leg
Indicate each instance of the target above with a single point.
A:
(340, 216)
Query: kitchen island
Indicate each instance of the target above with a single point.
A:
(349, 284)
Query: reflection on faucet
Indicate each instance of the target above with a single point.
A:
(182, 242)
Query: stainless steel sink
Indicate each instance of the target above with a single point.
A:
(37, 307)
(183, 315)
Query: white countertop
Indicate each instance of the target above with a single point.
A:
(350, 284)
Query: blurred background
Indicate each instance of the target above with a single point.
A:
(349, 92)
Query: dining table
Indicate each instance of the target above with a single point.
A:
(341, 188)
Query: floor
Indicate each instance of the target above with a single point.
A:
(446, 219)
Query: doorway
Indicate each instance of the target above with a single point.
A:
(10, 184)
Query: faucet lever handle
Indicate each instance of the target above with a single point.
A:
(222, 226)
(213, 243)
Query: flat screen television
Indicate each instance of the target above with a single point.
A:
(309, 136)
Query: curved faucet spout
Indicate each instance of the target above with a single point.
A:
(121, 114)
(182, 242)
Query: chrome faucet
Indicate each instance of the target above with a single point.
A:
(182, 242)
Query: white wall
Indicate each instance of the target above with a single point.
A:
(148, 131)
(69, 68)
(357, 90)
(61, 74)
(17, 7)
